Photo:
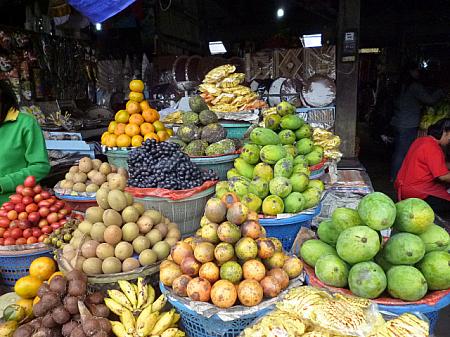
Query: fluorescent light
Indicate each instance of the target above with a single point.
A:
(98, 26)
(280, 12)
(311, 40)
(217, 47)
(369, 50)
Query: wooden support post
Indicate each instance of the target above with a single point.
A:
(347, 79)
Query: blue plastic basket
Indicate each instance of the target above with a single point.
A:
(14, 265)
(219, 164)
(286, 229)
(118, 158)
(236, 130)
(196, 325)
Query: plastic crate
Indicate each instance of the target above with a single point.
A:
(118, 158)
(219, 164)
(196, 325)
(236, 130)
(14, 264)
(286, 229)
(185, 212)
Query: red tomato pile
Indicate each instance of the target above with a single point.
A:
(31, 215)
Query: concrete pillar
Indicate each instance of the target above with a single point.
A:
(347, 79)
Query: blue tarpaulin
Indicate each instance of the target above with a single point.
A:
(99, 10)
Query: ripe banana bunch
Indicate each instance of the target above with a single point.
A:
(7, 328)
(139, 312)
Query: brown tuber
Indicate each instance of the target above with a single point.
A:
(24, 331)
(95, 298)
(49, 301)
(99, 310)
(58, 285)
(48, 321)
(77, 287)
(61, 315)
(39, 309)
(101, 333)
(90, 326)
(105, 325)
(71, 304)
(68, 328)
(78, 332)
(43, 289)
(43, 332)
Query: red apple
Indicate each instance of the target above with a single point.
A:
(16, 198)
(12, 215)
(4, 222)
(46, 194)
(27, 200)
(42, 223)
(19, 189)
(30, 181)
(51, 201)
(2, 242)
(34, 217)
(9, 242)
(62, 221)
(23, 216)
(19, 207)
(2, 230)
(47, 230)
(55, 225)
(36, 232)
(54, 209)
(8, 206)
(44, 203)
(27, 233)
(32, 208)
(21, 241)
(16, 233)
(52, 217)
(28, 192)
(60, 203)
(24, 224)
(32, 240)
(3, 213)
(38, 198)
(44, 211)
(42, 237)
(37, 189)
(7, 233)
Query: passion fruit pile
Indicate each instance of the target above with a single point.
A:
(229, 260)
(119, 235)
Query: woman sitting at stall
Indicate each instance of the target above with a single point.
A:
(424, 173)
(22, 145)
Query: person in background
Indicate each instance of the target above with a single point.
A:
(22, 149)
(411, 97)
(425, 173)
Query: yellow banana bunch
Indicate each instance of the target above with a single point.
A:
(163, 323)
(128, 321)
(7, 328)
(159, 303)
(119, 330)
(129, 291)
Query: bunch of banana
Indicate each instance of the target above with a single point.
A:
(140, 314)
(7, 328)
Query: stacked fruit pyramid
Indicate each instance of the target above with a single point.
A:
(229, 260)
(411, 262)
(118, 235)
(138, 122)
(272, 173)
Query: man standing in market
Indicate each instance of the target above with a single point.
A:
(22, 149)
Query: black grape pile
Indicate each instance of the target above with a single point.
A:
(163, 165)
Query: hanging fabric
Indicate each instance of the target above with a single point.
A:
(99, 10)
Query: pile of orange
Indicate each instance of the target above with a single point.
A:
(136, 123)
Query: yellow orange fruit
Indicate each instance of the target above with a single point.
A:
(159, 126)
(170, 132)
(120, 129)
(137, 140)
(163, 135)
(123, 141)
(105, 135)
(132, 130)
(151, 135)
(42, 268)
(144, 105)
(27, 304)
(122, 116)
(57, 273)
(136, 96)
(27, 286)
(111, 140)
(137, 86)
(112, 126)
(133, 107)
(147, 128)
(136, 119)
(150, 115)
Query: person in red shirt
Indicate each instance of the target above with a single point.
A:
(424, 173)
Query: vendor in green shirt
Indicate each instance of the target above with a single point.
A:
(22, 145)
